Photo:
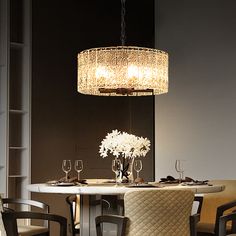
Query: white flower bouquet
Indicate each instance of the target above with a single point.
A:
(123, 144)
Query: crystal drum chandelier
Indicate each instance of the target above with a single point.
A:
(122, 70)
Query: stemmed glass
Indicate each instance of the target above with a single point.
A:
(138, 166)
(78, 167)
(66, 167)
(179, 167)
(115, 168)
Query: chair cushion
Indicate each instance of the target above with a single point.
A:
(205, 227)
(208, 228)
(30, 230)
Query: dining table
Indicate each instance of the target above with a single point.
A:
(105, 190)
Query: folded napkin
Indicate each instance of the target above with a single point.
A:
(187, 181)
(72, 180)
(191, 182)
(69, 180)
(169, 179)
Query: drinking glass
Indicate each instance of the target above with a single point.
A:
(138, 166)
(179, 167)
(78, 167)
(115, 168)
(66, 167)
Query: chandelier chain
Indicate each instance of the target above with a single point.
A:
(122, 36)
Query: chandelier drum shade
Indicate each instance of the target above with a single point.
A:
(122, 70)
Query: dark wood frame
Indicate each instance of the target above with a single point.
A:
(120, 221)
(200, 200)
(8, 202)
(34, 203)
(194, 219)
(219, 213)
(223, 221)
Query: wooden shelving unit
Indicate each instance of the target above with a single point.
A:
(15, 97)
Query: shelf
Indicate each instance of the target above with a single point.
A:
(16, 111)
(15, 97)
(17, 148)
(16, 45)
(17, 176)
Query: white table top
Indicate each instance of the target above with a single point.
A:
(110, 189)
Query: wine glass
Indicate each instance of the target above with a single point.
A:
(66, 167)
(138, 166)
(179, 167)
(115, 168)
(78, 167)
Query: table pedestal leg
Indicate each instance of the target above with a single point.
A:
(94, 205)
(90, 207)
(84, 215)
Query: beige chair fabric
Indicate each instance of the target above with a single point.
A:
(30, 230)
(210, 203)
(158, 212)
(2, 229)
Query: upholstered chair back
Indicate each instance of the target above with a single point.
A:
(158, 212)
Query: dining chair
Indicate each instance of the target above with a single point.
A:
(10, 221)
(12, 204)
(220, 211)
(156, 212)
(214, 206)
(223, 224)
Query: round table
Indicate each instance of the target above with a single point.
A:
(93, 190)
(111, 189)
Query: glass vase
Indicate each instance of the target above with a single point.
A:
(125, 172)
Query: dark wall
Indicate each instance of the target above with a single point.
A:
(69, 125)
